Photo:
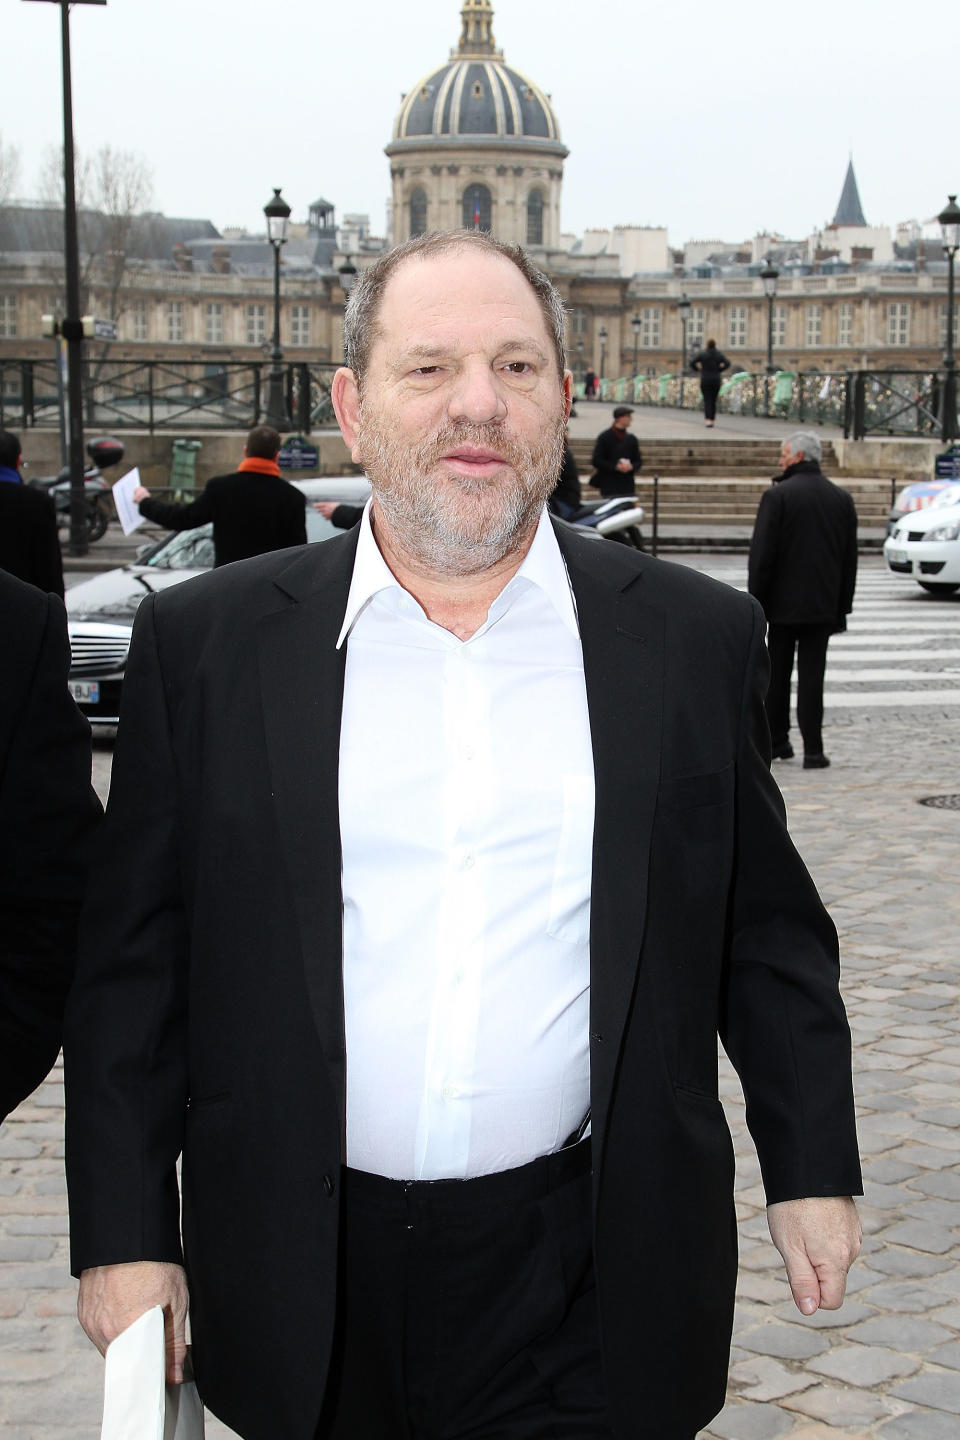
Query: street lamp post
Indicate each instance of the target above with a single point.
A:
(71, 327)
(603, 351)
(769, 275)
(277, 212)
(636, 323)
(683, 305)
(950, 227)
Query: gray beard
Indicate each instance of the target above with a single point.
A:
(459, 525)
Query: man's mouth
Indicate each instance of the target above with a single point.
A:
(473, 460)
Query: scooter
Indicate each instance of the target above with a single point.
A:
(98, 507)
(617, 518)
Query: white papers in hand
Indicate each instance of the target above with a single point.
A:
(128, 513)
(137, 1402)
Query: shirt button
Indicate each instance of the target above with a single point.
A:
(447, 1092)
(328, 1185)
(469, 862)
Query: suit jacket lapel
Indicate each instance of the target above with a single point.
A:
(623, 655)
(301, 679)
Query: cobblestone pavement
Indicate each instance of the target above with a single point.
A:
(885, 1367)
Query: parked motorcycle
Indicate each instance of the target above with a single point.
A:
(98, 506)
(617, 518)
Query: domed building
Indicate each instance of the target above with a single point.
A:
(477, 144)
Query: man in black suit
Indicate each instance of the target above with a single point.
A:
(803, 570)
(253, 510)
(29, 546)
(48, 814)
(430, 1012)
(616, 456)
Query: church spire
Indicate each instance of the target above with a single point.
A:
(476, 29)
(849, 210)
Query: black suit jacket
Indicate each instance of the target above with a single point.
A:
(251, 513)
(208, 1013)
(803, 554)
(29, 546)
(48, 813)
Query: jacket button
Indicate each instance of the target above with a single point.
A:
(328, 1184)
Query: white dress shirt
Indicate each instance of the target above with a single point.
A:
(466, 816)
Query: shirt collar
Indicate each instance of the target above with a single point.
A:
(543, 566)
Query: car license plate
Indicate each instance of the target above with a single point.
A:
(85, 692)
(897, 557)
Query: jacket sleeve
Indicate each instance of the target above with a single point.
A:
(49, 815)
(297, 530)
(48, 561)
(761, 565)
(174, 516)
(125, 1040)
(849, 582)
(783, 1021)
(602, 460)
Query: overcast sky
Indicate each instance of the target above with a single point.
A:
(714, 119)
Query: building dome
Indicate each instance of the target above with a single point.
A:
(477, 145)
(476, 95)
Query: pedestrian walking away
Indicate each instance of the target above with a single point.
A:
(616, 456)
(428, 1002)
(29, 545)
(803, 570)
(710, 363)
(253, 510)
(48, 815)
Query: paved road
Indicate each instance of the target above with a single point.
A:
(886, 1367)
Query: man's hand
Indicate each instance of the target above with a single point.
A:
(113, 1296)
(625, 466)
(819, 1240)
(141, 493)
(326, 507)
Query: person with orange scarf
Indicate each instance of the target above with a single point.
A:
(253, 510)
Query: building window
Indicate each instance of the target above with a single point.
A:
(534, 218)
(737, 336)
(418, 212)
(256, 324)
(898, 324)
(477, 208)
(8, 317)
(579, 321)
(299, 324)
(780, 325)
(138, 322)
(174, 320)
(696, 327)
(814, 324)
(650, 328)
(213, 324)
(845, 324)
(956, 325)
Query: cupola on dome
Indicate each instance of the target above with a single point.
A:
(475, 94)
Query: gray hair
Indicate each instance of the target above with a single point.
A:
(363, 306)
(805, 443)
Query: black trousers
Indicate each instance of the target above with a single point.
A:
(710, 389)
(810, 644)
(468, 1308)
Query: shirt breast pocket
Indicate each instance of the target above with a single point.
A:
(569, 912)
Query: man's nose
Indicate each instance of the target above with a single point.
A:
(476, 396)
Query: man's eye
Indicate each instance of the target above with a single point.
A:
(519, 367)
(426, 370)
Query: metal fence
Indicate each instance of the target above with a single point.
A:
(862, 402)
(165, 395)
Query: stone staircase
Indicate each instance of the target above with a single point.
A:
(708, 493)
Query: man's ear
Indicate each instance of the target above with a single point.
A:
(345, 394)
(567, 394)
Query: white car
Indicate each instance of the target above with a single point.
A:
(100, 611)
(925, 546)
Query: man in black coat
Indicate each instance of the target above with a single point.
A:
(48, 814)
(616, 456)
(300, 725)
(253, 510)
(803, 570)
(29, 547)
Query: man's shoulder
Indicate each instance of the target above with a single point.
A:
(19, 498)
